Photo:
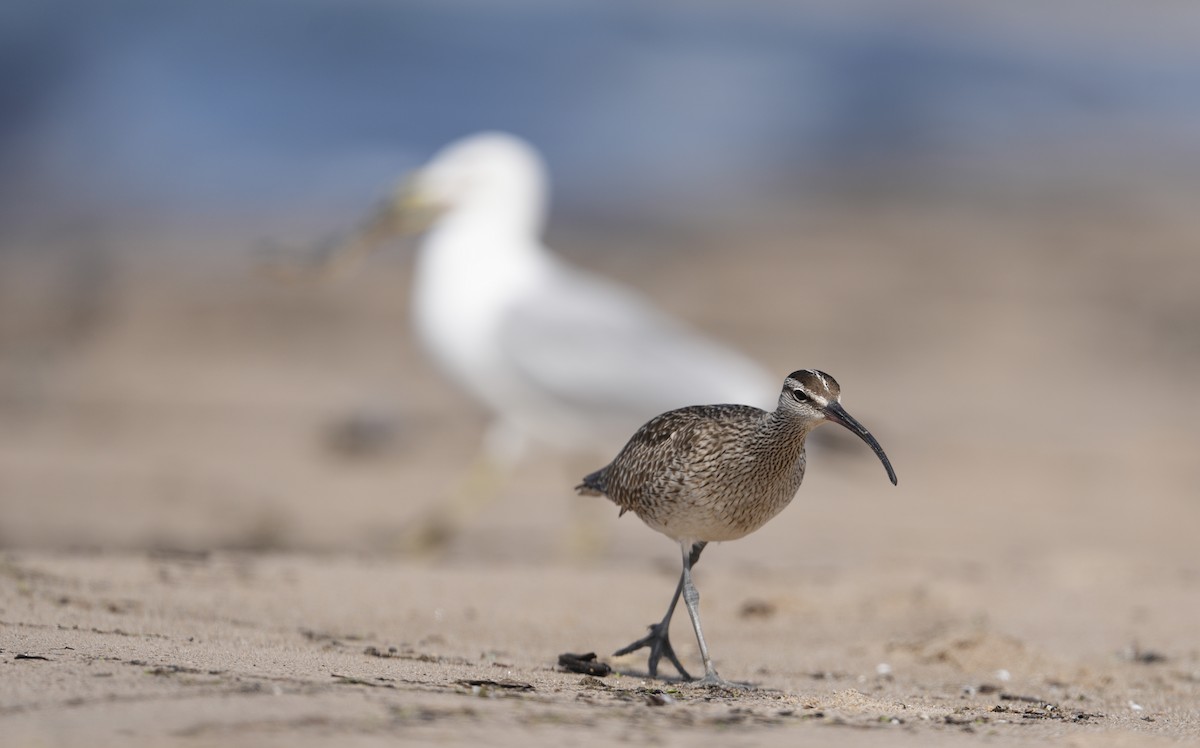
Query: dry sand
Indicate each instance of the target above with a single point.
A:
(296, 649)
(198, 544)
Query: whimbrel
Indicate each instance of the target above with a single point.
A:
(708, 473)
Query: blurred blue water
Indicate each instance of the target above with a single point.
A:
(232, 109)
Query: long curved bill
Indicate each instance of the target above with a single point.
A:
(836, 413)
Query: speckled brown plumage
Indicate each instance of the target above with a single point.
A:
(718, 472)
(707, 472)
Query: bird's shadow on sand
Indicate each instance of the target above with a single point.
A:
(731, 689)
(588, 664)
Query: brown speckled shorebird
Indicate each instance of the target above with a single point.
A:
(718, 472)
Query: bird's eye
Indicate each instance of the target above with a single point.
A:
(801, 396)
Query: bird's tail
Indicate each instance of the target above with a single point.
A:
(594, 484)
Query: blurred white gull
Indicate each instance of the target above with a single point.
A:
(561, 356)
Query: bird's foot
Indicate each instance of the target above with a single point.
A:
(659, 642)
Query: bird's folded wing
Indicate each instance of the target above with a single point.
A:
(592, 344)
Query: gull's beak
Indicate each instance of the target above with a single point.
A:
(836, 413)
(404, 212)
(411, 210)
(396, 216)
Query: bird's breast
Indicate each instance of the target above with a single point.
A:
(725, 499)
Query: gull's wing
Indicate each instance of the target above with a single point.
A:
(590, 344)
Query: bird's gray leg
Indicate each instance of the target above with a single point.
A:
(659, 638)
(691, 598)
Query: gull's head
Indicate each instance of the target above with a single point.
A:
(815, 397)
(492, 176)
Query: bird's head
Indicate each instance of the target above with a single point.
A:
(490, 173)
(495, 181)
(815, 396)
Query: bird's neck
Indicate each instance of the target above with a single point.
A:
(784, 430)
(499, 216)
(477, 252)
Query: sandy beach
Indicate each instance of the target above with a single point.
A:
(208, 481)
